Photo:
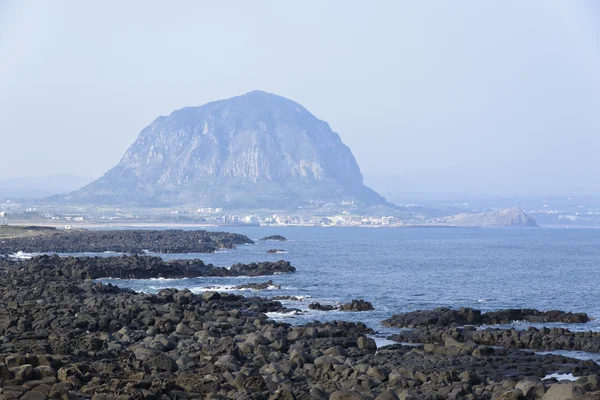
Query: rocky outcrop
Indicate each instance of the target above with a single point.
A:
(357, 305)
(469, 316)
(277, 238)
(123, 241)
(321, 307)
(544, 339)
(258, 286)
(354, 305)
(143, 267)
(258, 150)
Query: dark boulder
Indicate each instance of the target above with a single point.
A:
(321, 307)
(274, 238)
(357, 305)
(275, 251)
(258, 286)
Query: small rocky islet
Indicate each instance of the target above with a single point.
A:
(274, 238)
(65, 336)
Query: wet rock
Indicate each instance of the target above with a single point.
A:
(277, 238)
(468, 316)
(321, 307)
(357, 305)
(258, 286)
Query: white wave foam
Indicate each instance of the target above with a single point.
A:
(166, 279)
(213, 288)
(380, 342)
(561, 377)
(283, 315)
(22, 255)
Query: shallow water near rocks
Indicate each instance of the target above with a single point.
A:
(400, 270)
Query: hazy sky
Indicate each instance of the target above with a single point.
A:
(437, 96)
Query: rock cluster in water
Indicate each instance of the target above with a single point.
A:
(277, 238)
(147, 267)
(258, 286)
(354, 305)
(532, 338)
(124, 241)
(469, 316)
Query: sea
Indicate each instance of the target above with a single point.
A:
(405, 269)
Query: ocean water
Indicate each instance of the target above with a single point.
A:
(400, 270)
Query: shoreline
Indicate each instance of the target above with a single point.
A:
(179, 345)
(175, 225)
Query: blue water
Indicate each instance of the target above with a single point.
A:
(399, 270)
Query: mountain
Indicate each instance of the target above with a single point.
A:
(258, 150)
(509, 217)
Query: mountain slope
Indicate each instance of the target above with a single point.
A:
(254, 150)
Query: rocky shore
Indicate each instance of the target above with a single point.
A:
(532, 338)
(144, 267)
(122, 241)
(66, 337)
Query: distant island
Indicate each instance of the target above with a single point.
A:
(510, 217)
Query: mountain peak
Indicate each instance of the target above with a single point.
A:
(253, 150)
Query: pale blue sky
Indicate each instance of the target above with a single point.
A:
(490, 97)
